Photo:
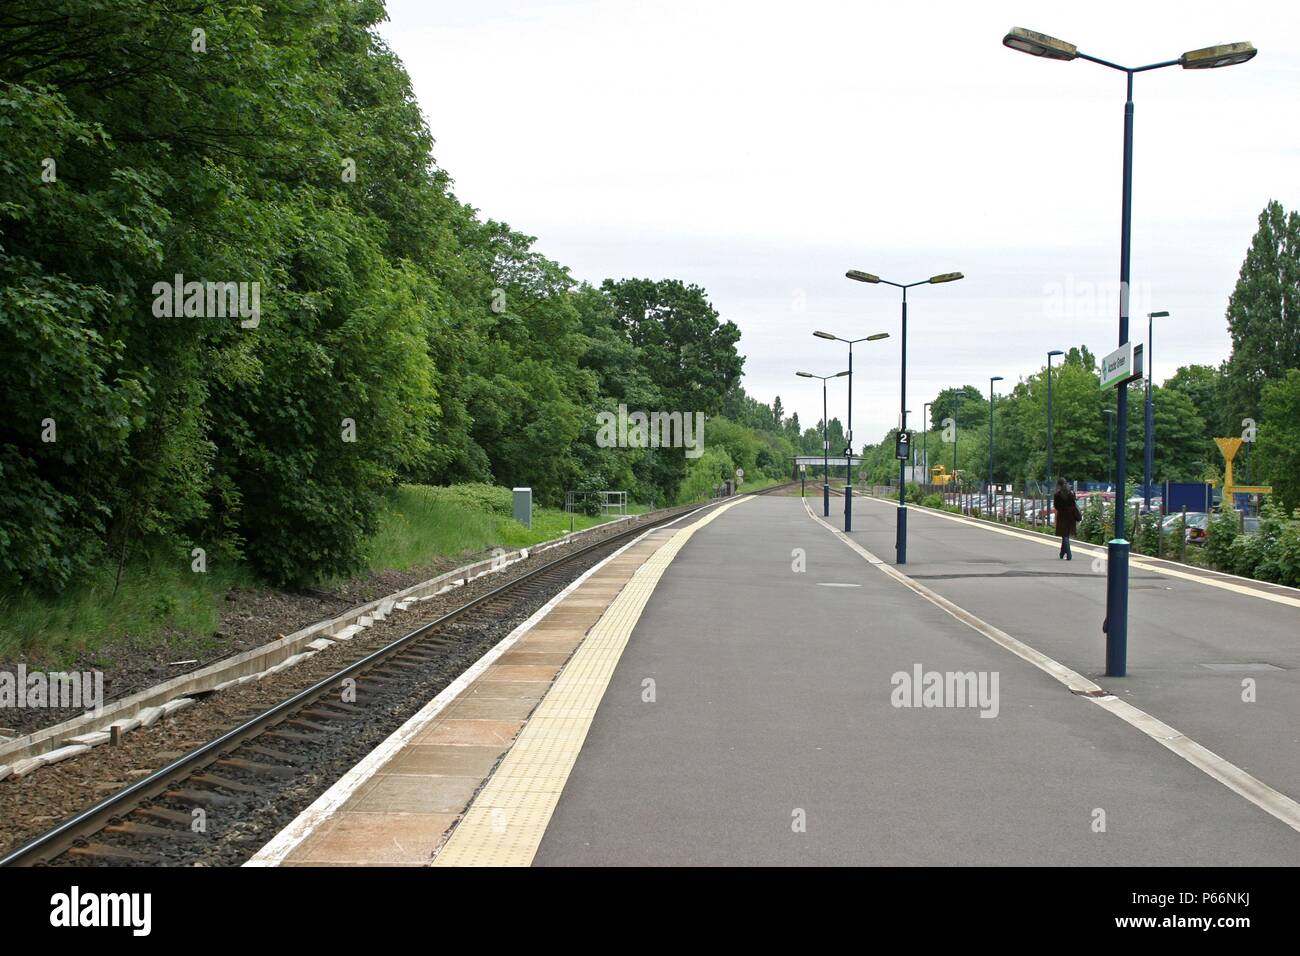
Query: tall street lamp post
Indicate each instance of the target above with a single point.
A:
(911, 447)
(826, 441)
(1226, 54)
(925, 439)
(1149, 434)
(995, 378)
(848, 486)
(900, 541)
(1051, 475)
(1110, 445)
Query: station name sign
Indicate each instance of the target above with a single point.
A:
(1121, 366)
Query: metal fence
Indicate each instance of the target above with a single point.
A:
(596, 502)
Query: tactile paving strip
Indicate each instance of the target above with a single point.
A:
(505, 823)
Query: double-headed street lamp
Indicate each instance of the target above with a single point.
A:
(1226, 54)
(1149, 436)
(925, 439)
(1110, 445)
(995, 378)
(826, 440)
(911, 446)
(900, 542)
(1051, 476)
(848, 487)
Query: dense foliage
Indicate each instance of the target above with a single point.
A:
(397, 336)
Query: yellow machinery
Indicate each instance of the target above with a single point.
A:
(940, 476)
(1228, 447)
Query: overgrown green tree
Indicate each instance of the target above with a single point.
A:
(1279, 439)
(1264, 310)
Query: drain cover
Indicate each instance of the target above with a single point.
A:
(1241, 667)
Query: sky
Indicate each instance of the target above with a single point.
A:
(761, 149)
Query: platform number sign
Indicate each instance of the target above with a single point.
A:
(903, 446)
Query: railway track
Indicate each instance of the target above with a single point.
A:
(238, 781)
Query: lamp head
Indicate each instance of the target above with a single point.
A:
(825, 335)
(1039, 44)
(805, 374)
(877, 337)
(1157, 315)
(1213, 57)
(946, 277)
(859, 276)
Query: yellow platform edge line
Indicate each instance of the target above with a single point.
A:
(505, 823)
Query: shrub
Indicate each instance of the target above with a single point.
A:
(932, 501)
(1220, 537)
(1093, 526)
(1283, 562)
(1146, 534)
(704, 474)
(477, 496)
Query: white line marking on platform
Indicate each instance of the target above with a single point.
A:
(1135, 561)
(1230, 775)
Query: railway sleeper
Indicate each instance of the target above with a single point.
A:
(117, 854)
(224, 783)
(252, 766)
(165, 815)
(201, 796)
(148, 831)
(291, 736)
(293, 759)
(310, 725)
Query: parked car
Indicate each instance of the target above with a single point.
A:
(1198, 526)
(1137, 501)
(1036, 514)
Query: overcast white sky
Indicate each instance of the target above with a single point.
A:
(760, 149)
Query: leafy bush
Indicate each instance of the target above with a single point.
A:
(1259, 555)
(933, 501)
(1223, 531)
(1146, 534)
(1093, 526)
(704, 474)
(1282, 563)
(477, 496)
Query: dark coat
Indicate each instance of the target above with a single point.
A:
(1068, 515)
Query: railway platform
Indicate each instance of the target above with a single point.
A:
(755, 687)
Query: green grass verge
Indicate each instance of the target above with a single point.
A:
(161, 601)
(421, 525)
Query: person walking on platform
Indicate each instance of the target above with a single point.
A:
(1068, 516)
